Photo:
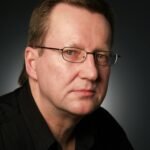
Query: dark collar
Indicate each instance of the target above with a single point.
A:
(85, 134)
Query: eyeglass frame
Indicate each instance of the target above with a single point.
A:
(117, 56)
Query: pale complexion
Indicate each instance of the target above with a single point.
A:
(64, 92)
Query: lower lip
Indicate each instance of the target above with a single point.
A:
(84, 92)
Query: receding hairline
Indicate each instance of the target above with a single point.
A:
(50, 14)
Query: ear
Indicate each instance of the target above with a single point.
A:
(31, 57)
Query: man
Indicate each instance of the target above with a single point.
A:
(64, 81)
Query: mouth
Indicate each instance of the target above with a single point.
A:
(84, 92)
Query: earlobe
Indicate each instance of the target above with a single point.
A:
(31, 56)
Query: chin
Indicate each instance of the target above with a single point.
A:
(83, 110)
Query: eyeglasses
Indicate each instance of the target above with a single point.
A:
(76, 55)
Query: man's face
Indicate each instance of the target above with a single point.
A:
(73, 88)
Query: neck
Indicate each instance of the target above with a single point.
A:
(62, 126)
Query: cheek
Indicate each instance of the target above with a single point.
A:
(55, 72)
(104, 79)
(105, 73)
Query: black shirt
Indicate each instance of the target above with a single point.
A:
(22, 127)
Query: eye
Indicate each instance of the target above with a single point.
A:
(70, 52)
(74, 53)
(102, 59)
(101, 56)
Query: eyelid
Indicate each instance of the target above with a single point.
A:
(102, 50)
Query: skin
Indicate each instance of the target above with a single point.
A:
(65, 92)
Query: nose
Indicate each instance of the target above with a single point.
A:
(89, 69)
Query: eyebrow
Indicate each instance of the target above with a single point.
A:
(74, 45)
(101, 50)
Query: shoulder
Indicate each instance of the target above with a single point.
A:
(8, 106)
(101, 115)
(13, 130)
(103, 119)
(107, 128)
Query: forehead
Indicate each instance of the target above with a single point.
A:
(74, 22)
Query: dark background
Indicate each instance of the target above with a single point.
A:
(128, 97)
